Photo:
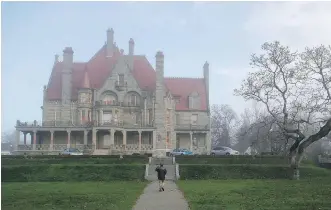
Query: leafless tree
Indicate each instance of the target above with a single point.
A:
(223, 120)
(295, 90)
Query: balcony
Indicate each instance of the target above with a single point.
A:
(190, 127)
(121, 85)
(108, 103)
(117, 103)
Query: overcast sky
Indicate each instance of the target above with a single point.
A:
(223, 33)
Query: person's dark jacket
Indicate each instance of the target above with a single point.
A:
(161, 172)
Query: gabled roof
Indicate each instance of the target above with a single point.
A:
(183, 87)
(96, 71)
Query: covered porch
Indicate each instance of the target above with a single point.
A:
(195, 141)
(53, 140)
(115, 141)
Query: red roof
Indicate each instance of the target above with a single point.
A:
(95, 72)
(183, 87)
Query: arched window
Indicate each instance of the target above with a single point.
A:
(109, 98)
(133, 99)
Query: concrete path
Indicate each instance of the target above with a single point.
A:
(170, 199)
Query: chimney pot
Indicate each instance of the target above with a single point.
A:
(56, 58)
(68, 50)
(159, 54)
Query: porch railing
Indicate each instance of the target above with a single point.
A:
(56, 147)
(191, 127)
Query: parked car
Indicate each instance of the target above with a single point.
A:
(180, 152)
(223, 151)
(71, 151)
(5, 153)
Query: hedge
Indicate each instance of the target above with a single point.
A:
(41, 160)
(238, 159)
(201, 172)
(50, 173)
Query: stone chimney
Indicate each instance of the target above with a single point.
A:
(131, 47)
(110, 42)
(67, 75)
(131, 54)
(159, 117)
(159, 68)
(206, 78)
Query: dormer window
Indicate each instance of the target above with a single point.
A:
(194, 101)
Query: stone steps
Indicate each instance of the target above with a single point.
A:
(167, 163)
(164, 161)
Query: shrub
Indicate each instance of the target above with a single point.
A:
(49, 173)
(202, 172)
(39, 160)
(236, 159)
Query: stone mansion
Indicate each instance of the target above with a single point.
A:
(118, 103)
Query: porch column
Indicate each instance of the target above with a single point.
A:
(97, 117)
(85, 137)
(154, 140)
(24, 133)
(208, 142)
(101, 117)
(124, 137)
(68, 140)
(111, 135)
(81, 116)
(94, 138)
(139, 131)
(191, 142)
(52, 141)
(34, 140)
(18, 134)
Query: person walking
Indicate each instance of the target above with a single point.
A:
(161, 172)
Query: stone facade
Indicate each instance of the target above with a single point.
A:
(119, 103)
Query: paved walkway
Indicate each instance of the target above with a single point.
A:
(170, 199)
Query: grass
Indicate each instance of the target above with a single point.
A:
(257, 194)
(117, 195)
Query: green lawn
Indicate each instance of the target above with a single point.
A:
(117, 195)
(257, 194)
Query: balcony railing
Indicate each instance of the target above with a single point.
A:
(121, 85)
(108, 103)
(56, 147)
(117, 103)
(120, 123)
(191, 127)
(54, 123)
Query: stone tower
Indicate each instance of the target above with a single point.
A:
(159, 106)
(206, 78)
(67, 83)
